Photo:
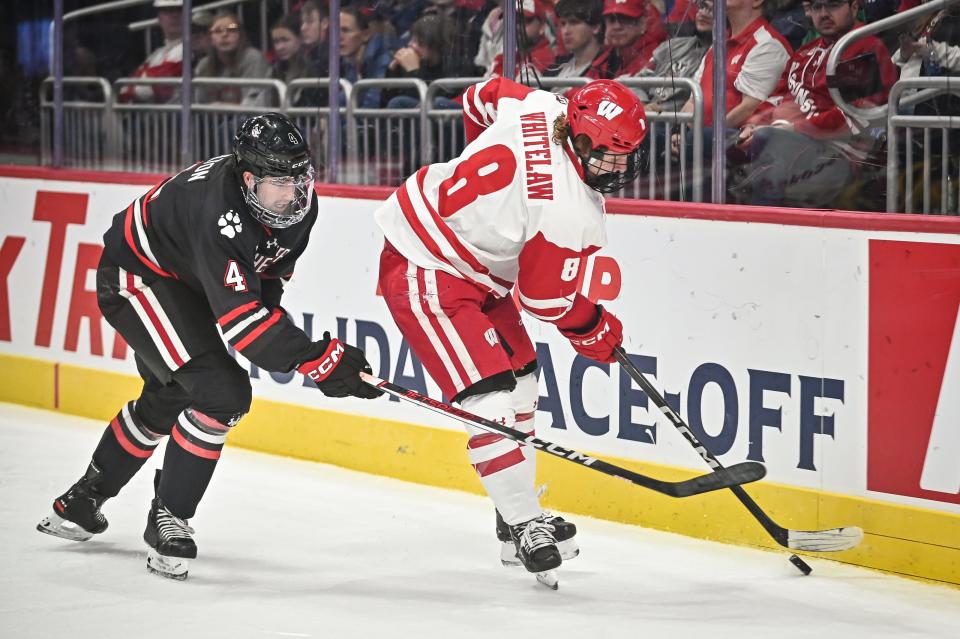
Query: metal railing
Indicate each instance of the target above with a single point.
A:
(948, 179)
(444, 137)
(90, 141)
(312, 120)
(382, 146)
(660, 181)
(876, 113)
(150, 133)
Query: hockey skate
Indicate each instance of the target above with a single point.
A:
(170, 540)
(564, 532)
(76, 513)
(537, 549)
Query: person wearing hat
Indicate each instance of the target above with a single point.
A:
(633, 29)
(200, 23)
(533, 48)
(165, 61)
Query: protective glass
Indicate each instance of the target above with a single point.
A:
(279, 202)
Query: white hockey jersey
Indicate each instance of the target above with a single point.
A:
(511, 210)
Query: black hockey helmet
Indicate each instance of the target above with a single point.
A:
(273, 149)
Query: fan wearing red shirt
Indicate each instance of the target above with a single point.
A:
(756, 56)
(824, 145)
(633, 30)
(537, 51)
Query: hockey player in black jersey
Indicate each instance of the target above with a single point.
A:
(198, 260)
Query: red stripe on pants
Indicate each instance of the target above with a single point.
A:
(155, 320)
(506, 460)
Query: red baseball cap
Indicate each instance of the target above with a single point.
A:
(534, 9)
(629, 8)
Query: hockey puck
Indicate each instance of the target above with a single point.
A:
(801, 565)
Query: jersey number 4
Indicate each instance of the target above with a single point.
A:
(234, 278)
(485, 172)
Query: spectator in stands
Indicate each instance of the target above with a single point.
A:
(490, 43)
(314, 29)
(403, 13)
(200, 45)
(932, 48)
(681, 17)
(633, 30)
(805, 151)
(165, 61)
(470, 19)
(289, 62)
(363, 54)
(677, 57)
(423, 58)
(581, 35)
(791, 19)
(756, 57)
(231, 57)
(533, 48)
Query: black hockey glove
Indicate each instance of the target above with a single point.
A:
(336, 371)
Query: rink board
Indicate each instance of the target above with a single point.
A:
(823, 344)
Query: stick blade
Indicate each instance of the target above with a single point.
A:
(742, 473)
(831, 540)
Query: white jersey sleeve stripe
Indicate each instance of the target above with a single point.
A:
(557, 302)
(142, 232)
(468, 111)
(239, 328)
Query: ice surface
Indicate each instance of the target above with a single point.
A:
(295, 549)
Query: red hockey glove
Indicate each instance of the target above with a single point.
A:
(598, 342)
(336, 372)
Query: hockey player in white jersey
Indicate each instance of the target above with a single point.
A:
(521, 208)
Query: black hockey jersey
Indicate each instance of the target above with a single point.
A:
(194, 227)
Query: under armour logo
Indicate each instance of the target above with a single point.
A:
(272, 243)
(608, 109)
(491, 336)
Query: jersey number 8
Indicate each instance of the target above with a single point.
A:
(485, 172)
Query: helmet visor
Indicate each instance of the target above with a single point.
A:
(608, 172)
(281, 201)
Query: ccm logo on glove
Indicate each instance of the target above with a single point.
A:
(598, 342)
(593, 339)
(319, 369)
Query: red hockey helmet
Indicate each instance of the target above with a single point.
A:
(613, 118)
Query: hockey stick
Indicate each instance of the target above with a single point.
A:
(830, 540)
(723, 478)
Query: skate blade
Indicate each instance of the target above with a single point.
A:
(549, 579)
(508, 552)
(568, 549)
(169, 567)
(57, 526)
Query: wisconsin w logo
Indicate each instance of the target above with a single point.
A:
(609, 110)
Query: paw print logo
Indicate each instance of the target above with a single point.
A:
(229, 224)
